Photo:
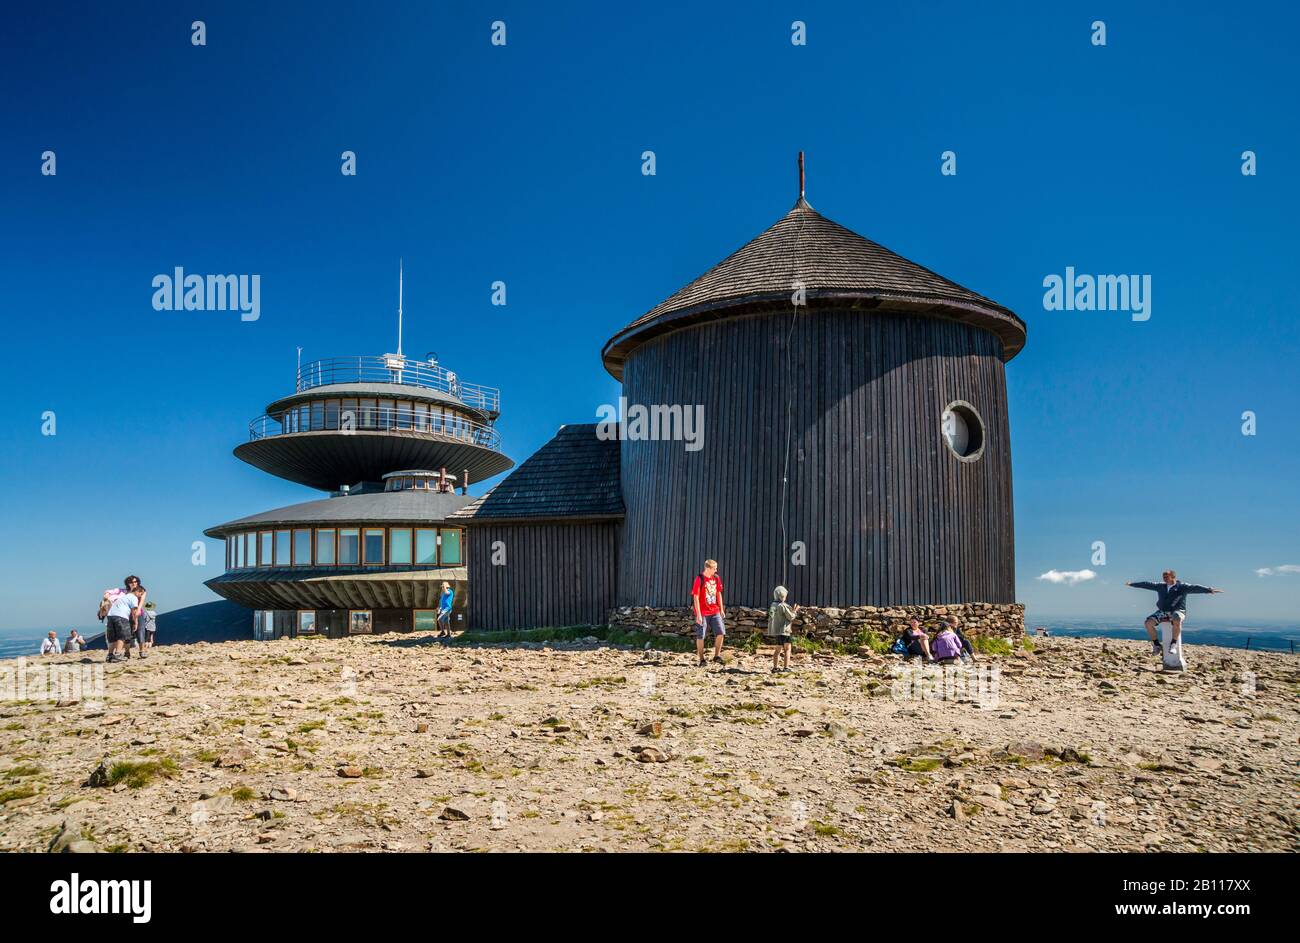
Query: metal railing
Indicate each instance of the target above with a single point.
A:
(395, 369)
(376, 419)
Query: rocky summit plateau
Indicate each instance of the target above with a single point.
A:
(400, 743)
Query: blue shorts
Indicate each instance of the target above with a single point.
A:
(713, 622)
(1159, 616)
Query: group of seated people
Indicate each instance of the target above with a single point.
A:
(948, 647)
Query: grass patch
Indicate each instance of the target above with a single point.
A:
(600, 682)
(311, 725)
(21, 772)
(918, 764)
(825, 829)
(138, 775)
(243, 794)
(19, 792)
(991, 645)
(569, 633)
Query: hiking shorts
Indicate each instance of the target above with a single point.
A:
(1159, 616)
(779, 640)
(119, 630)
(713, 622)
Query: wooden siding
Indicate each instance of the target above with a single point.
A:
(555, 574)
(888, 514)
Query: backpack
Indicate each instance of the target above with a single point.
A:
(899, 647)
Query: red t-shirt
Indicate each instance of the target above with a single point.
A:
(708, 590)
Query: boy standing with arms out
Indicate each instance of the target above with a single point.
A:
(706, 597)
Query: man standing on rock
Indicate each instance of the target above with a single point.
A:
(706, 597)
(1171, 607)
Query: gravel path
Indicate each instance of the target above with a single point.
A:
(399, 743)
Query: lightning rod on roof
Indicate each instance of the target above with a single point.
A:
(399, 307)
(801, 177)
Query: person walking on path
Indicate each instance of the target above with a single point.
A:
(1171, 606)
(445, 602)
(779, 619)
(710, 611)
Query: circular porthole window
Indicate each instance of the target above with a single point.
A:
(963, 430)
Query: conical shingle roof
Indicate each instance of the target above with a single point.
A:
(835, 266)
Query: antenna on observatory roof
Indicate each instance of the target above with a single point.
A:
(399, 306)
(801, 176)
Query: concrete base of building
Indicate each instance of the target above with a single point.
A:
(1000, 620)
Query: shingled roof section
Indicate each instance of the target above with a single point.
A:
(835, 265)
(574, 476)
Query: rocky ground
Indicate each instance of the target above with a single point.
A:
(402, 744)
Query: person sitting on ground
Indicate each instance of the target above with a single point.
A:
(916, 643)
(147, 626)
(50, 644)
(73, 645)
(947, 646)
(779, 619)
(967, 649)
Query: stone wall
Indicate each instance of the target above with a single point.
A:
(828, 624)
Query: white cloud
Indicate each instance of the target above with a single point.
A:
(1068, 577)
(1277, 570)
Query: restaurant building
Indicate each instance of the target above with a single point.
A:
(396, 443)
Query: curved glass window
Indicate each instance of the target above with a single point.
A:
(373, 546)
(399, 545)
(349, 546)
(451, 548)
(325, 547)
(302, 547)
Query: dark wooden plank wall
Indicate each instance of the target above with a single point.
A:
(889, 515)
(555, 575)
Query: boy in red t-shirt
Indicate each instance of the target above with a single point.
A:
(706, 597)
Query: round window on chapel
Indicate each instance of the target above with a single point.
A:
(963, 430)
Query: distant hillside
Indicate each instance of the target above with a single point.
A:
(217, 621)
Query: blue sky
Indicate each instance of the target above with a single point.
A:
(522, 163)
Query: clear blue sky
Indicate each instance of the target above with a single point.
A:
(522, 163)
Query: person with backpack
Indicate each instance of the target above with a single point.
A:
(913, 643)
(50, 644)
(710, 612)
(74, 643)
